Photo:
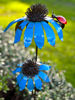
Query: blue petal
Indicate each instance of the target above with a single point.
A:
(28, 35)
(23, 24)
(17, 35)
(17, 70)
(58, 29)
(11, 23)
(20, 64)
(44, 67)
(30, 85)
(22, 83)
(49, 33)
(19, 77)
(38, 82)
(39, 35)
(19, 31)
(43, 76)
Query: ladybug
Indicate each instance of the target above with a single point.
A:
(60, 19)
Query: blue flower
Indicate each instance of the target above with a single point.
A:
(34, 25)
(31, 74)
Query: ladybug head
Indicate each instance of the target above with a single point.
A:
(60, 19)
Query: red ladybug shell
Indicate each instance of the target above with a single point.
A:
(62, 19)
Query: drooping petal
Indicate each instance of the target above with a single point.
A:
(19, 77)
(44, 67)
(58, 28)
(28, 35)
(17, 70)
(49, 33)
(22, 83)
(38, 82)
(30, 84)
(17, 35)
(44, 76)
(39, 35)
(23, 24)
(18, 32)
(11, 23)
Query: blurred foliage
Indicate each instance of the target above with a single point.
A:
(58, 89)
(11, 55)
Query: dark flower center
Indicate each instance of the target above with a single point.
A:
(30, 68)
(37, 12)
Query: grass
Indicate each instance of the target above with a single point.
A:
(63, 54)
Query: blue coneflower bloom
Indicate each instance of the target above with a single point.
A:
(34, 25)
(31, 75)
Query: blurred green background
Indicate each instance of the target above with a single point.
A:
(63, 54)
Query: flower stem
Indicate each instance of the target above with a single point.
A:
(36, 61)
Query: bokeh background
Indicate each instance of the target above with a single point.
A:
(62, 56)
